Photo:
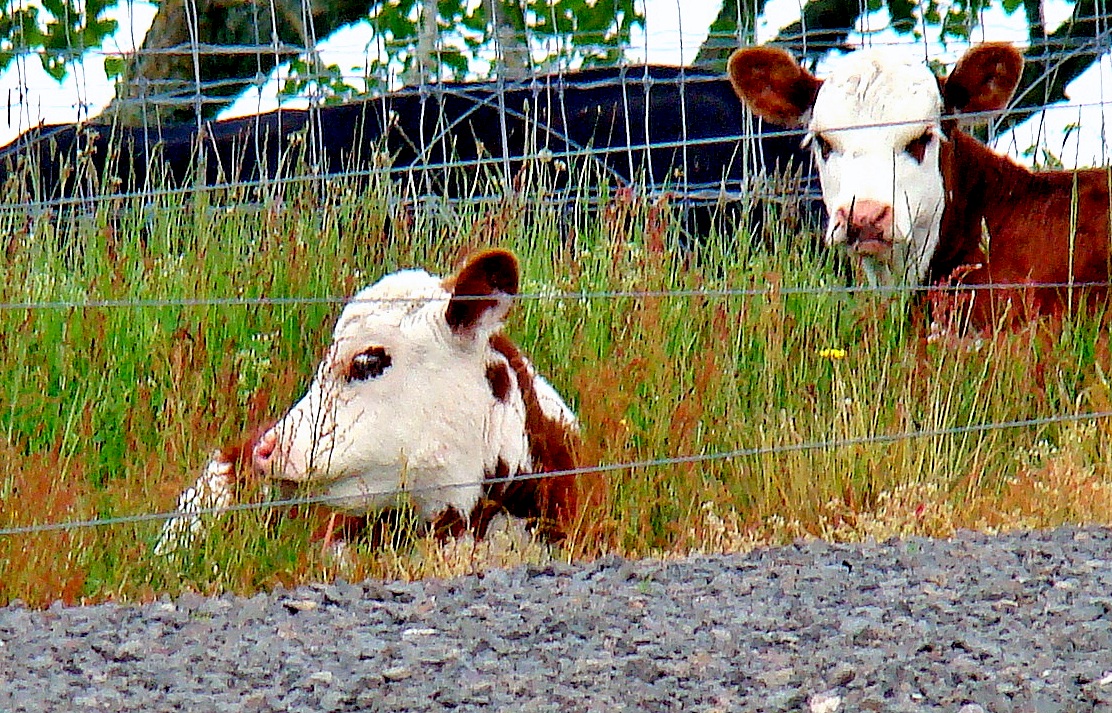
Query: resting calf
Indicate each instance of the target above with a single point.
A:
(915, 200)
(421, 397)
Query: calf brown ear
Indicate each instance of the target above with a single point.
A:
(772, 84)
(487, 284)
(984, 79)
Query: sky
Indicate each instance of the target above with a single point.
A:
(674, 30)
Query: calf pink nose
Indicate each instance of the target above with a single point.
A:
(263, 453)
(868, 225)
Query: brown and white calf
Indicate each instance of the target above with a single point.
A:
(420, 397)
(914, 199)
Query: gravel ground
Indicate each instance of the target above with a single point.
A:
(1021, 622)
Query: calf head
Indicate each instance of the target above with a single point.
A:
(878, 131)
(412, 397)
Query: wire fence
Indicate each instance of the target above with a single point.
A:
(597, 470)
(400, 66)
(698, 294)
(535, 105)
(747, 172)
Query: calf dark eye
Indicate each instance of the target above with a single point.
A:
(368, 364)
(825, 147)
(917, 147)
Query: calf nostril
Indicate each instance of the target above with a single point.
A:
(868, 219)
(883, 217)
(264, 449)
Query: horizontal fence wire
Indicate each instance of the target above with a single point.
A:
(604, 469)
(768, 291)
(708, 195)
(199, 91)
(687, 193)
(716, 40)
(1045, 49)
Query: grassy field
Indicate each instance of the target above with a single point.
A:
(110, 410)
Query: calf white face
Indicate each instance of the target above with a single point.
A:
(875, 132)
(875, 125)
(410, 397)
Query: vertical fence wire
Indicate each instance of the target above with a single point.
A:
(193, 22)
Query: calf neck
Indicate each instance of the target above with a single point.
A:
(1039, 228)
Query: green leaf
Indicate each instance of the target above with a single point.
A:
(59, 9)
(394, 22)
(54, 66)
(455, 60)
(114, 66)
(902, 14)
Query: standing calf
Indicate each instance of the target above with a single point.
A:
(915, 200)
(419, 396)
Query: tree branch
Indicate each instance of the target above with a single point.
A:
(828, 23)
(733, 27)
(1054, 63)
(825, 25)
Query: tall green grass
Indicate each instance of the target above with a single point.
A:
(110, 411)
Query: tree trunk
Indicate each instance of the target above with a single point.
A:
(184, 70)
(427, 39)
(507, 21)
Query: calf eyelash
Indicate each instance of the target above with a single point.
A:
(822, 143)
(369, 364)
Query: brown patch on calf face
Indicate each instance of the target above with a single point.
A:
(498, 376)
(962, 243)
(551, 503)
